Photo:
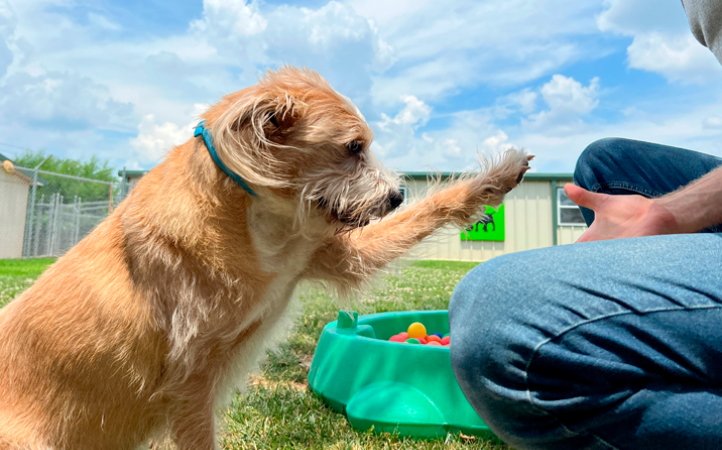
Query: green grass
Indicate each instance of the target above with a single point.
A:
(277, 410)
(16, 275)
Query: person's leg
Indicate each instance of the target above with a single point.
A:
(613, 344)
(624, 166)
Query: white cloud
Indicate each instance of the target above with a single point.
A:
(451, 148)
(662, 41)
(497, 143)
(395, 59)
(632, 17)
(443, 48)
(567, 100)
(397, 134)
(103, 22)
(62, 100)
(558, 152)
(713, 122)
(155, 140)
(228, 20)
(678, 57)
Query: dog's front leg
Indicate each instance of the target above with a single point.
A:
(347, 260)
(193, 420)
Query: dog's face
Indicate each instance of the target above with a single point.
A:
(307, 147)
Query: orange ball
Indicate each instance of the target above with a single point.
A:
(417, 330)
(433, 338)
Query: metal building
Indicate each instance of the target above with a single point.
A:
(535, 214)
(14, 188)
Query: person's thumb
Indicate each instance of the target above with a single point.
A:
(581, 196)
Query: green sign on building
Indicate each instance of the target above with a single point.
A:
(487, 228)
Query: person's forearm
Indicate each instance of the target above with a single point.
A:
(697, 205)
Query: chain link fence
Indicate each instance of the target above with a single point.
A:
(45, 213)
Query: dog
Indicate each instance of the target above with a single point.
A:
(145, 326)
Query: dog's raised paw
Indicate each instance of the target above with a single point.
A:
(519, 162)
(525, 167)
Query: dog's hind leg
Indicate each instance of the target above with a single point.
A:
(347, 260)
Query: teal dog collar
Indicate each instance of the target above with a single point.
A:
(208, 139)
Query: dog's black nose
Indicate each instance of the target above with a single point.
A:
(395, 200)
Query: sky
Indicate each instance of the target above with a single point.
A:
(437, 81)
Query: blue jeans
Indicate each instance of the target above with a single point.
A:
(600, 345)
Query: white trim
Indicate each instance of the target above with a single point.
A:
(560, 206)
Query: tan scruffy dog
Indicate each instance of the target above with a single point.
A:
(146, 324)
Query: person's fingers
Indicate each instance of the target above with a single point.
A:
(582, 197)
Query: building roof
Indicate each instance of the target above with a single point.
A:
(132, 173)
(532, 176)
(20, 173)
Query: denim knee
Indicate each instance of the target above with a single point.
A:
(600, 157)
(492, 343)
(489, 345)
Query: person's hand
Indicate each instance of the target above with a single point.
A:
(621, 216)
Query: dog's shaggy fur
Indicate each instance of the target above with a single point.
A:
(146, 323)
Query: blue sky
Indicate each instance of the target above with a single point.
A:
(437, 81)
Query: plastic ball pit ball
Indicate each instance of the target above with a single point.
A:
(417, 330)
(389, 386)
(416, 334)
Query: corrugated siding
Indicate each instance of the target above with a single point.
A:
(13, 206)
(569, 235)
(528, 225)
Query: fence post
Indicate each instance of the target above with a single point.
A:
(51, 221)
(30, 230)
(123, 186)
(59, 223)
(38, 226)
(76, 207)
(110, 199)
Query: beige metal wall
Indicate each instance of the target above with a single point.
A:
(13, 205)
(529, 223)
(569, 235)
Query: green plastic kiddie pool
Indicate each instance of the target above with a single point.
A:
(390, 386)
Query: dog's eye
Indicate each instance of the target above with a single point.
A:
(272, 119)
(355, 147)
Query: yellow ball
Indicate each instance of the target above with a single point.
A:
(417, 330)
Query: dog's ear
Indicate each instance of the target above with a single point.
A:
(251, 128)
(272, 118)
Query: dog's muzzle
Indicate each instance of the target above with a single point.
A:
(394, 200)
(356, 219)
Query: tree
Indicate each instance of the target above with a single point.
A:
(93, 168)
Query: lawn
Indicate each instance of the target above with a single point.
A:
(277, 410)
(16, 275)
